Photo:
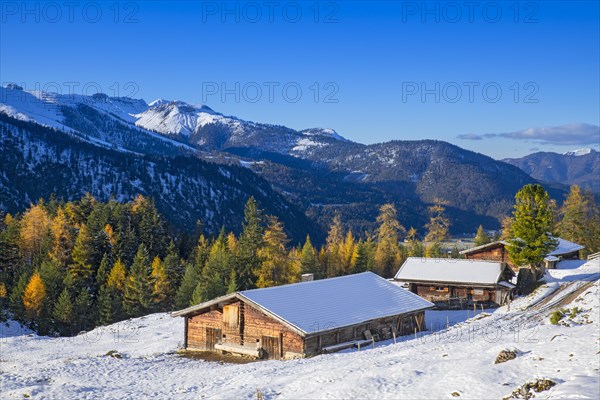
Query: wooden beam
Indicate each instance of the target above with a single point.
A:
(185, 332)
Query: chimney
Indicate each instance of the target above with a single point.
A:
(308, 277)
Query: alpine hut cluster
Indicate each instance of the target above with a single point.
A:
(305, 318)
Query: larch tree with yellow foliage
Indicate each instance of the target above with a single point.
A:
(388, 256)
(35, 236)
(34, 295)
(275, 268)
(162, 290)
(334, 240)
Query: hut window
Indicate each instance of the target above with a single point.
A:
(477, 291)
(441, 289)
(230, 316)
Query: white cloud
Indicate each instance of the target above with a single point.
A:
(570, 134)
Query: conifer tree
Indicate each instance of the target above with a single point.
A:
(439, 224)
(161, 290)
(417, 249)
(333, 242)
(308, 259)
(63, 313)
(10, 260)
(346, 252)
(53, 275)
(33, 296)
(532, 226)
(117, 277)
(36, 239)
(251, 239)
(63, 235)
(361, 258)
(388, 257)
(80, 269)
(173, 266)
(275, 268)
(189, 283)
(579, 219)
(216, 271)
(16, 297)
(232, 286)
(434, 250)
(84, 312)
(139, 286)
(104, 270)
(481, 237)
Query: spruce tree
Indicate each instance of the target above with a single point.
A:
(361, 259)
(104, 270)
(232, 287)
(139, 285)
(84, 312)
(251, 239)
(309, 263)
(15, 298)
(532, 226)
(173, 266)
(189, 283)
(217, 269)
(80, 269)
(10, 260)
(63, 313)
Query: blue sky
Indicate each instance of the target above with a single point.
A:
(483, 77)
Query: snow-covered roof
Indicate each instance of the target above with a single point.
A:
(450, 270)
(565, 247)
(484, 246)
(507, 284)
(321, 305)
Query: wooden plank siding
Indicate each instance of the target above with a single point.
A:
(495, 253)
(253, 328)
(453, 297)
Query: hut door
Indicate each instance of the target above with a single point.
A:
(213, 336)
(270, 345)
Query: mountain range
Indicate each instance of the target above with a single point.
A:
(579, 167)
(200, 164)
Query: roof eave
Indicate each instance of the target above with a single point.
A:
(205, 305)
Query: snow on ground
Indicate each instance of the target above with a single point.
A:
(459, 359)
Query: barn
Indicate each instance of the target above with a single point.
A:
(305, 318)
(496, 251)
(452, 283)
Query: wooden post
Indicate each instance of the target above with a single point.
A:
(185, 332)
(280, 344)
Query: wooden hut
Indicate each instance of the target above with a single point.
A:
(454, 283)
(496, 251)
(304, 318)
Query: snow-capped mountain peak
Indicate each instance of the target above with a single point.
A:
(326, 132)
(580, 152)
